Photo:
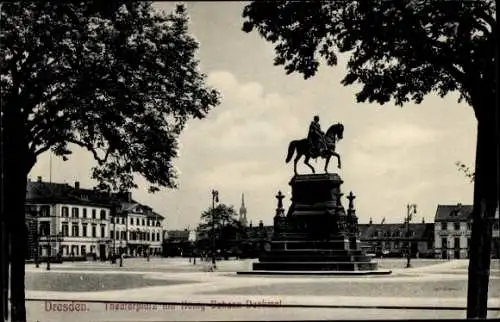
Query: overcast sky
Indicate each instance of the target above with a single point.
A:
(391, 156)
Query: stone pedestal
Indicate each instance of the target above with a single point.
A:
(316, 234)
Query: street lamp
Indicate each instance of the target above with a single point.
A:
(57, 239)
(114, 215)
(49, 250)
(37, 236)
(411, 209)
(215, 198)
(121, 253)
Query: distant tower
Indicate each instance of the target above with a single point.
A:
(243, 211)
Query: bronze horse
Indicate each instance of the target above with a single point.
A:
(333, 134)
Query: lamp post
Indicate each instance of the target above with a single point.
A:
(37, 237)
(121, 253)
(215, 198)
(114, 215)
(49, 251)
(59, 240)
(411, 209)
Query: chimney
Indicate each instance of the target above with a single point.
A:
(371, 221)
(39, 179)
(129, 196)
(77, 185)
(423, 220)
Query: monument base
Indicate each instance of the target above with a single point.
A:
(317, 236)
(315, 273)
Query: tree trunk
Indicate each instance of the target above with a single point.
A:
(485, 204)
(16, 164)
(16, 196)
(5, 264)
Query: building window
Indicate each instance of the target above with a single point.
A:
(444, 242)
(131, 221)
(103, 214)
(112, 220)
(157, 236)
(84, 212)
(64, 212)
(94, 230)
(94, 212)
(45, 211)
(65, 229)
(457, 242)
(74, 230)
(84, 230)
(74, 212)
(112, 234)
(44, 228)
(469, 226)
(123, 235)
(83, 251)
(103, 230)
(444, 226)
(137, 221)
(456, 226)
(143, 222)
(123, 220)
(158, 224)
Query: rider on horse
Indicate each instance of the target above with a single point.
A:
(316, 138)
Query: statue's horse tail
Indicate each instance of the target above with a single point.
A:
(291, 150)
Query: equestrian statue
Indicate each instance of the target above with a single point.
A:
(317, 144)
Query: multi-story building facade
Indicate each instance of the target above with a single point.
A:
(452, 233)
(136, 230)
(74, 222)
(393, 239)
(68, 221)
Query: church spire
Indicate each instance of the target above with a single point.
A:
(243, 211)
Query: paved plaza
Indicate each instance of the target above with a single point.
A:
(99, 291)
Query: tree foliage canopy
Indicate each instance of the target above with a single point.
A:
(219, 217)
(222, 224)
(116, 78)
(400, 50)
(462, 167)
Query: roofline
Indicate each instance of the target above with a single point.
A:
(58, 202)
